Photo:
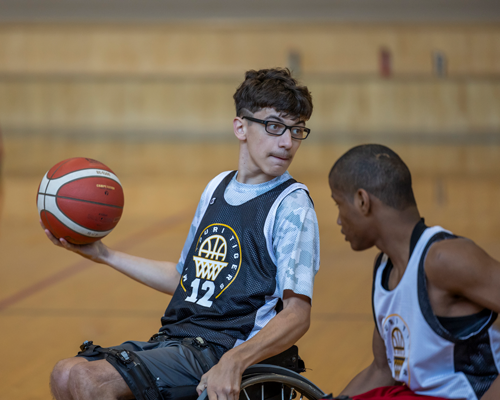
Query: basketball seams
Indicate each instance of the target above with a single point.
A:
(61, 164)
(80, 174)
(45, 178)
(83, 201)
(97, 235)
(106, 174)
(47, 221)
(69, 223)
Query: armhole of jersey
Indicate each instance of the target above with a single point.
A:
(375, 269)
(209, 191)
(423, 296)
(204, 202)
(271, 217)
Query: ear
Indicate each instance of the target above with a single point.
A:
(363, 201)
(240, 129)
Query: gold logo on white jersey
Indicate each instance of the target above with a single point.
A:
(397, 343)
(211, 257)
(398, 347)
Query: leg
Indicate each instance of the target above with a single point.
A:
(59, 377)
(97, 380)
(78, 379)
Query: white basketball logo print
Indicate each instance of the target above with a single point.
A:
(217, 261)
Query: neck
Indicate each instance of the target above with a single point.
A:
(396, 228)
(248, 172)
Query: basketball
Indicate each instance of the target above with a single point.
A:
(80, 200)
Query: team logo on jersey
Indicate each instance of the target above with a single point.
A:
(217, 261)
(397, 342)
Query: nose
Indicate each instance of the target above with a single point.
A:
(286, 140)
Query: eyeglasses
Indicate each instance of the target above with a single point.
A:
(277, 128)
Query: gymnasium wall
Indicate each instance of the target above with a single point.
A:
(141, 81)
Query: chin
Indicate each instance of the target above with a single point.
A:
(360, 246)
(277, 171)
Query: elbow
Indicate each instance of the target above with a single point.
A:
(303, 324)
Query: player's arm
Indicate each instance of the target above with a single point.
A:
(377, 374)
(224, 379)
(462, 268)
(159, 275)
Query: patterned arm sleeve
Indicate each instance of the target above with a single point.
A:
(296, 244)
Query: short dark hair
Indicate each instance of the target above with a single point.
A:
(378, 170)
(273, 88)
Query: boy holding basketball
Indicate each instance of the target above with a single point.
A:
(435, 295)
(252, 250)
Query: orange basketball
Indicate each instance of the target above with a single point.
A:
(80, 200)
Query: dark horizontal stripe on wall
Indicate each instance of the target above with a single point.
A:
(211, 135)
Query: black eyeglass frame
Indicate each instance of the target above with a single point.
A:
(265, 122)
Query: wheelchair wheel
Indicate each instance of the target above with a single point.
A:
(278, 387)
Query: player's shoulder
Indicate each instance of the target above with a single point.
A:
(214, 182)
(217, 179)
(448, 259)
(442, 251)
(297, 195)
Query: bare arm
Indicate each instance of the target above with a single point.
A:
(224, 379)
(377, 374)
(459, 267)
(159, 275)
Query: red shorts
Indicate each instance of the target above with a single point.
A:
(396, 392)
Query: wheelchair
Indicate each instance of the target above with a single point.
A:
(277, 378)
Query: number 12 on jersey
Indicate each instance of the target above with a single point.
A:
(208, 287)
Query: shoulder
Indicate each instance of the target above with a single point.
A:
(212, 185)
(295, 206)
(218, 179)
(452, 262)
(298, 197)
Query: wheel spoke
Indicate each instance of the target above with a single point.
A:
(262, 391)
(246, 394)
(291, 393)
(282, 392)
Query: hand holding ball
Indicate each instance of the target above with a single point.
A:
(80, 200)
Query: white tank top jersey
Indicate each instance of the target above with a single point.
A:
(420, 351)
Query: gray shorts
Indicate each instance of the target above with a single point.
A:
(170, 362)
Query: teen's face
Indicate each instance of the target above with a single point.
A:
(354, 224)
(269, 156)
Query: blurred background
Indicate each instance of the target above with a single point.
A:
(146, 88)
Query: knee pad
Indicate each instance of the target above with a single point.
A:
(133, 371)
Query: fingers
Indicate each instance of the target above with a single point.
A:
(212, 395)
(202, 385)
(226, 393)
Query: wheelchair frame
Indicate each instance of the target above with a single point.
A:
(261, 382)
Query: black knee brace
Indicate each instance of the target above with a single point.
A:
(135, 374)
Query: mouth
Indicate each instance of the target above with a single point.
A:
(281, 157)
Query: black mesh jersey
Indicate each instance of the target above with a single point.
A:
(227, 289)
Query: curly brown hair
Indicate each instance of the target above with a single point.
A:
(273, 88)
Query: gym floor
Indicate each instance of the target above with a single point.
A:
(52, 300)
